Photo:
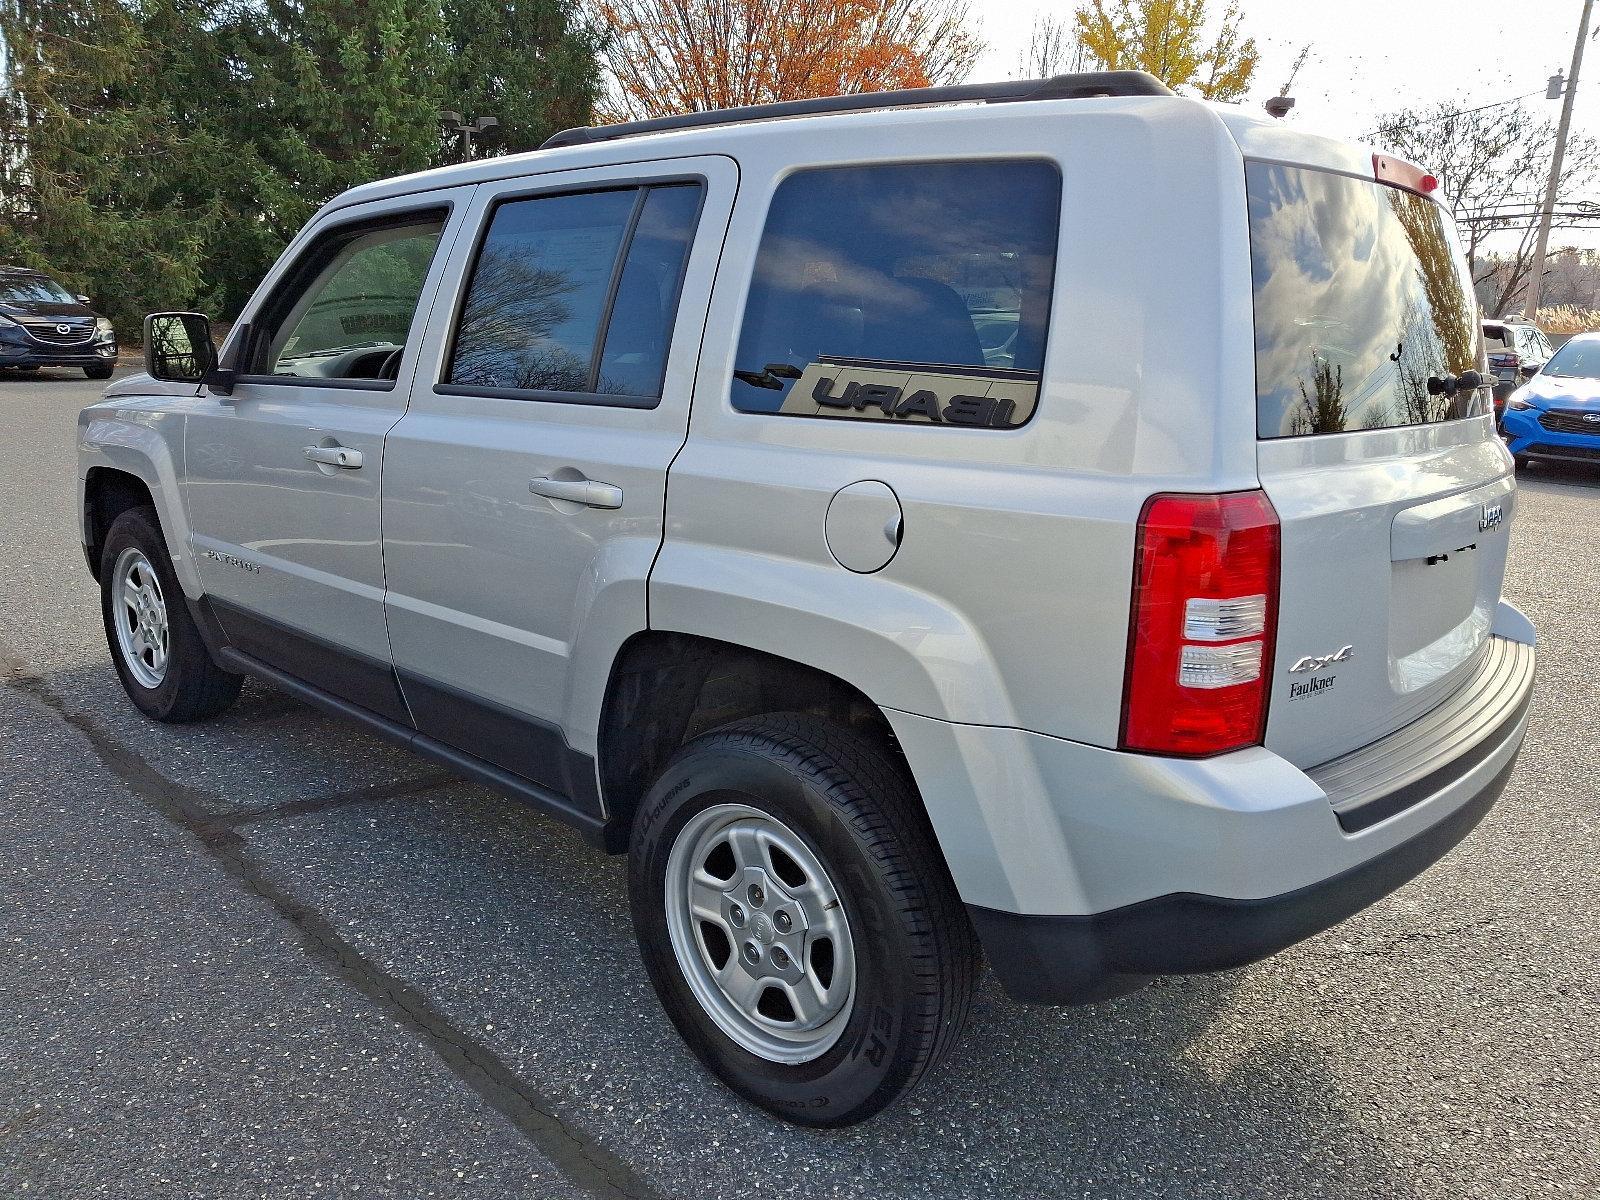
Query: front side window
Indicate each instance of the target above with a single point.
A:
(918, 293)
(347, 310)
(1363, 304)
(576, 294)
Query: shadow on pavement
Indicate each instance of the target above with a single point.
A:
(1548, 474)
(518, 938)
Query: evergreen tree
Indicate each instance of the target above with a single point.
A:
(530, 63)
(84, 158)
(160, 153)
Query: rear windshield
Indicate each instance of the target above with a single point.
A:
(1361, 298)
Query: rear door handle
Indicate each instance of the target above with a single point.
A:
(335, 456)
(578, 491)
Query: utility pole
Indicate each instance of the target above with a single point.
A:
(1536, 279)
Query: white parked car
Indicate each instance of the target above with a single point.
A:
(1066, 526)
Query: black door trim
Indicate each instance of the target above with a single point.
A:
(527, 747)
(340, 672)
(345, 684)
(475, 769)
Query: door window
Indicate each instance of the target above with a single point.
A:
(573, 296)
(345, 311)
(918, 292)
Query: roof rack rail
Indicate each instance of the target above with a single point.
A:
(1060, 87)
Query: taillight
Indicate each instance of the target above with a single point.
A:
(1205, 612)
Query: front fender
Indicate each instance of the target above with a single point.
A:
(146, 442)
(896, 645)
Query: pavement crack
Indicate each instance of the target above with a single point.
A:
(369, 794)
(1390, 945)
(585, 1163)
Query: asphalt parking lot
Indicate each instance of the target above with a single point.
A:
(268, 956)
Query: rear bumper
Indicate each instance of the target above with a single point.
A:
(1077, 960)
(1173, 868)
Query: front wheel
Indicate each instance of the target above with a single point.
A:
(797, 920)
(163, 663)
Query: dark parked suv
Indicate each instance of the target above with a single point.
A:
(44, 325)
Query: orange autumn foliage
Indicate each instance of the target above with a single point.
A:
(673, 56)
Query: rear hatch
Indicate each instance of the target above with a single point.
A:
(1393, 492)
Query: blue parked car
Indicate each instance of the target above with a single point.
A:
(1556, 414)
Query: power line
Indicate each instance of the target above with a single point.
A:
(1463, 112)
(1495, 104)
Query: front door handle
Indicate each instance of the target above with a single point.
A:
(335, 456)
(578, 491)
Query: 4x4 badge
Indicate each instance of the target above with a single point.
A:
(1314, 662)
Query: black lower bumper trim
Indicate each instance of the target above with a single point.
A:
(1079, 960)
(1579, 454)
(32, 362)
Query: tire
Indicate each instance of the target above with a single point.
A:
(841, 823)
(182, 684)
(99, 372)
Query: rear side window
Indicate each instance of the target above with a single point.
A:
(573, 296)
(908, 292)
(1363, 305)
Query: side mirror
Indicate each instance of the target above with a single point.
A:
(81, 299)
(178, 346)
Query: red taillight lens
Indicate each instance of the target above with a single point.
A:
(1205, 614)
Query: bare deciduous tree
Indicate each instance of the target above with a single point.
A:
(1491, 164)
(1053, 49)
(673, 56)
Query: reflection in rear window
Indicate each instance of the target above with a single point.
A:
(1361, 298)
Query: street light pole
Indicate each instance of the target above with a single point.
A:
(1536, 279)
(456, 123)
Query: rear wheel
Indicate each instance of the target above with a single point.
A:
(797, 920)
(158, 652)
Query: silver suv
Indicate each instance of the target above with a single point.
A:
(1057, 521)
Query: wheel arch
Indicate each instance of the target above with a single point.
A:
(666, 688)
(118, 455)
(108, 493)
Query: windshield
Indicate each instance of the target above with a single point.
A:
(16, 289)
(1575, 360)
(1361, 300)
